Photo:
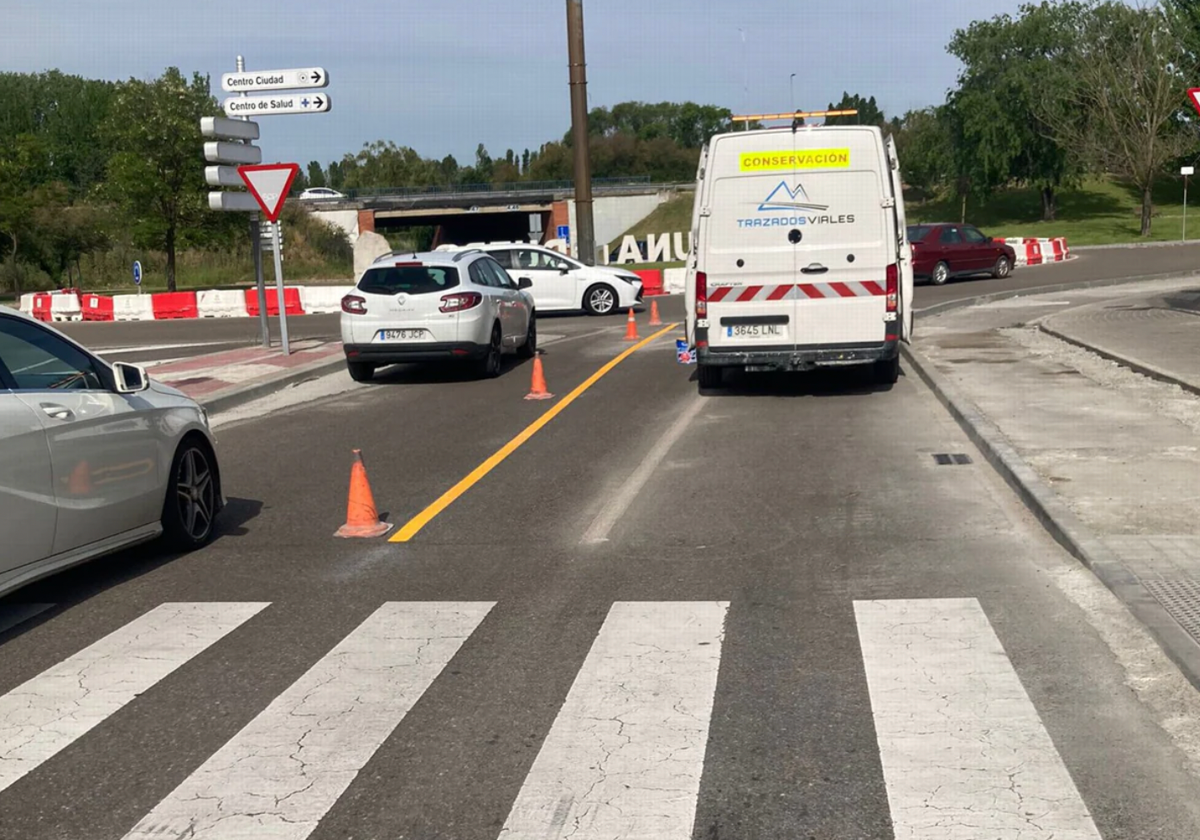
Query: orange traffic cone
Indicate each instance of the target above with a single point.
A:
(362, 520)
(537, 390)
(631, 328)
(655, 321)
(80, 481)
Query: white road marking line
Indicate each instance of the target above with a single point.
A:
(147, 348)
(625, 754)
(964, 752)
(278, 777)
(46, 714)
(620, 501)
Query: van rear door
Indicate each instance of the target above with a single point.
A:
(904, 249)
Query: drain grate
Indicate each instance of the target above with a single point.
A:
(946, 459)
(1181, 598)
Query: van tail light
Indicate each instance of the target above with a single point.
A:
(354, 305)
(701, 294)
(460, 301)
(893, 283)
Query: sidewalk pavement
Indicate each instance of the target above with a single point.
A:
(1107, 458)
(1157, 335)
(220, 381)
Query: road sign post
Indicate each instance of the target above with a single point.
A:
(1185, 172)
(269, 185)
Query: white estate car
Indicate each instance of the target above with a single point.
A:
(561, 283)
(432, 307)
(320, 194)
(94, 456)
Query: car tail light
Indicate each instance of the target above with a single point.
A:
(459, 302)
(893, 282)
(701, 294)
(354, 305)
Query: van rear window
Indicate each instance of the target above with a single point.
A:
(410, 279)
(917, 233)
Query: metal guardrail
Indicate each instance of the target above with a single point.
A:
(483, 189)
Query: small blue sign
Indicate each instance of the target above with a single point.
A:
(137, 273)
(564, 232)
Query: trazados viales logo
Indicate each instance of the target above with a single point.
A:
(787, 200)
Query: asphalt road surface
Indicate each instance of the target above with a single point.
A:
(764, 612)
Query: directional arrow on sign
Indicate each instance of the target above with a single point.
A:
(269, 184)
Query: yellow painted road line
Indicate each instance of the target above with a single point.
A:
(414, 525)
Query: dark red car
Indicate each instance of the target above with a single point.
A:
(944, 250)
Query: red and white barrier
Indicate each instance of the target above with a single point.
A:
(221, 303)
(97, 308)
(1038, 251)
(319, 300)
(133, 308)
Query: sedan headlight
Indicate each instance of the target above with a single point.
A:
(632, 281)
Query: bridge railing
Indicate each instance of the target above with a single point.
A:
(515, 187)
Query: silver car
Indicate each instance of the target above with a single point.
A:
(435, 307)
(94, 456)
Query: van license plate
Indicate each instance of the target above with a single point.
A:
(754, 331)
(402, 335)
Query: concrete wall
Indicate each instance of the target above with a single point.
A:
(347, 220)
(613, 215)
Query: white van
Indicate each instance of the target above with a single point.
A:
(801, 258)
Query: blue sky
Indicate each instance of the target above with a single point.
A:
(444, 76)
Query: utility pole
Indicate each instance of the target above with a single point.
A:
(585, 235)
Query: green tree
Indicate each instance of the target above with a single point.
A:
(65, 232)
(525, 162)
(868, 112)
(24, 166)
(156, 175)
(1124, 83)
(1013, 70)
(316, 175)
(926, 157)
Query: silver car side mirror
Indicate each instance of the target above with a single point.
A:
(130, 379)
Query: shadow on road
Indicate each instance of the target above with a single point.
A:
(72, 587)
(851, 381)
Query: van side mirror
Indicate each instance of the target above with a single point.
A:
(130, 379)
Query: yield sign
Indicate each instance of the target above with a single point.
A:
(1194, 97)
(269, 184)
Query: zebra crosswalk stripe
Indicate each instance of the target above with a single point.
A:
(964, 752)
(625, 753)
(46, 714)
(278, 777)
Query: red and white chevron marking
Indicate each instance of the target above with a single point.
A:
(793, 291)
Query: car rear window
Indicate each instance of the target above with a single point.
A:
(917, 233)
(410, 279)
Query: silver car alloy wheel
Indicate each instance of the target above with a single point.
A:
(602, 300)
(196, 493)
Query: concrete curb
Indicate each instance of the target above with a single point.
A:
(1144, 368)
(242, 394)
(1060, 521)
(962, 303)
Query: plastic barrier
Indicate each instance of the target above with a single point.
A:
(673, 280)
(133, 308)
(652, 280)
(97, 308)
(291, 301)
(27, 302)
(41, 306)
(65, 307)
(170, 305)
(316, 300)
(221, 303)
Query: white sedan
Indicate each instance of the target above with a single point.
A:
(560, 283)
(93, 457)
(436, 307)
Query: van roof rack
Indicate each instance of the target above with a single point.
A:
(795, 116)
